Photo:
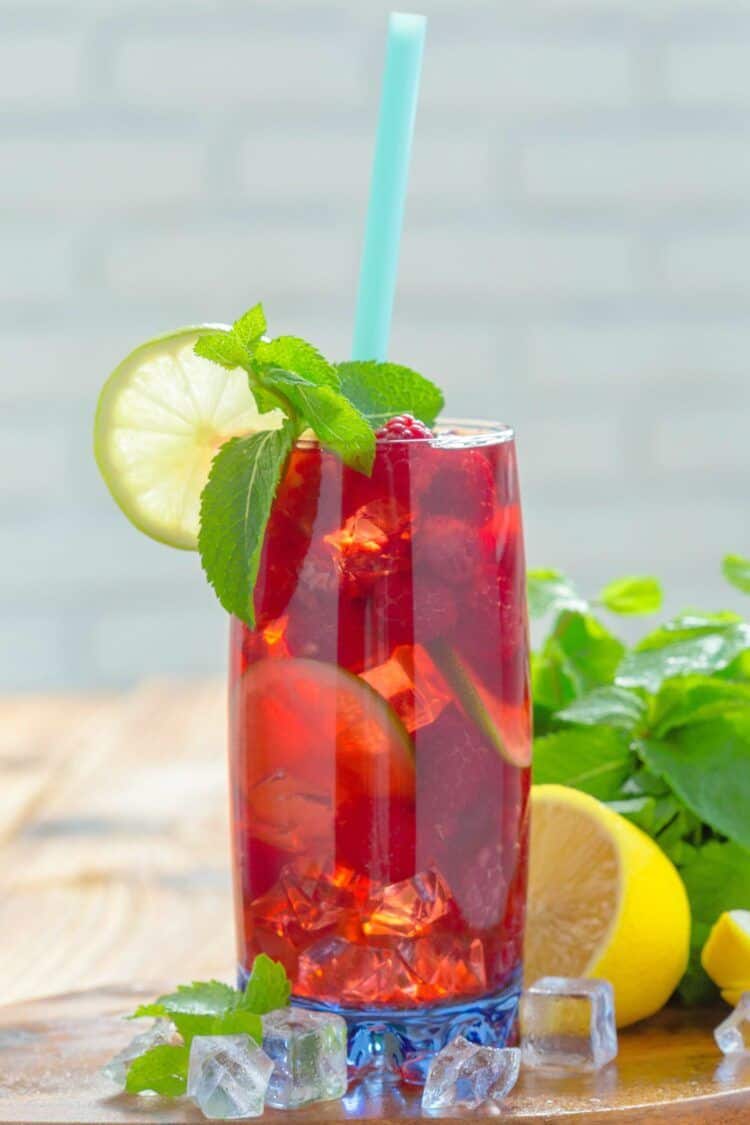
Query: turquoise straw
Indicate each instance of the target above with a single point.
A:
(385, 214)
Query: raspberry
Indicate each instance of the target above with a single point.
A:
(460, 483)
(453, 549)
(404, 427)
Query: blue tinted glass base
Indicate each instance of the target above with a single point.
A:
(404, 1041)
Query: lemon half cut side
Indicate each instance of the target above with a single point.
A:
(604, 901)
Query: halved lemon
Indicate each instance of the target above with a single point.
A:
(162, 415)
(726, 954)
(604, 901)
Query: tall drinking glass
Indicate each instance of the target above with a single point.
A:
(380, 743)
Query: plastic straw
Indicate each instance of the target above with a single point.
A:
(398, 104)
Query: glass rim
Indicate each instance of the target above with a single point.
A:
(451, 433)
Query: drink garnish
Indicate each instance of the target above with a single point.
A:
(193, 432)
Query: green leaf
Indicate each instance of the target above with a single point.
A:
(717, 878)
(686, 646)
(267, 988)
(235, 507)
(736, 570)
(609, 706)
(594, 759)
(250, 326)
(579, 654)
(223, 348)
(338, 425)
(237, 1022)
(292, 355)
(632, 595)
(382, 390)
(549, 591)
(163, 1069)
(707, 765)
(693, 699)
(203, 998)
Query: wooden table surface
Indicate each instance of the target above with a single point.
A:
(114, 867)
(114, 858)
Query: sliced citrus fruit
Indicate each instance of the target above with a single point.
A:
(507, 728)
(604, 901)
(726, 954)
(734, 995)
(162, 415)
(309, 735)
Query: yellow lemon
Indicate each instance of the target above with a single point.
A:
(733, 995)
(726, 954)
(604, 901)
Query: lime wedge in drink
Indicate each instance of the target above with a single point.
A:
(505, 726)
(162, 415)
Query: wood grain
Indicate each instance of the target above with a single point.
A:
(114, 860)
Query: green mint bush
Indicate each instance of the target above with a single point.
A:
(659, 731)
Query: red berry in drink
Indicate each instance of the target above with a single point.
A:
(403, 427)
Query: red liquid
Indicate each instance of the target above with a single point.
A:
(380, 837)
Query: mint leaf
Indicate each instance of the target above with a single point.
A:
(631, 596)
(337, 424)
(702, 648)
(736, 570)
(382, 390)
(595, 760)
(549, 591)
(249, 328)
(687, 627)
(708, 766)
(608, 706)
(267, 988)
(201, 998)
(237, 1022)
(717, 878)
(163, 1069)
(579, 654)
(295, 356)
(235, 506)
(223, 348)
(693, 699)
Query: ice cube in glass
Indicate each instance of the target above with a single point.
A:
(159, 1033)
(733, 1034)
(465, 1075)
(308, 1050)
(568, 1023)
(228, 1076)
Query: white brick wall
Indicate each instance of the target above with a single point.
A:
(575, 262)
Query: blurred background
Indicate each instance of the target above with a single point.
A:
(576, 261)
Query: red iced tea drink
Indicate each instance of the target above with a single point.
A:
(380, 735)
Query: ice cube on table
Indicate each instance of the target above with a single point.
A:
(308, 1050)
(733, 1034)
(228, 1076)
(568, 1023)
(465, 1075)
(159, 1033)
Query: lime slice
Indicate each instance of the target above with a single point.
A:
(506, 727)
(162, 415)
(307, 736)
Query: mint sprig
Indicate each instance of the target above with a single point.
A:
(235, 506)
(343, 405)
(659, 731)
(205, 1008)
